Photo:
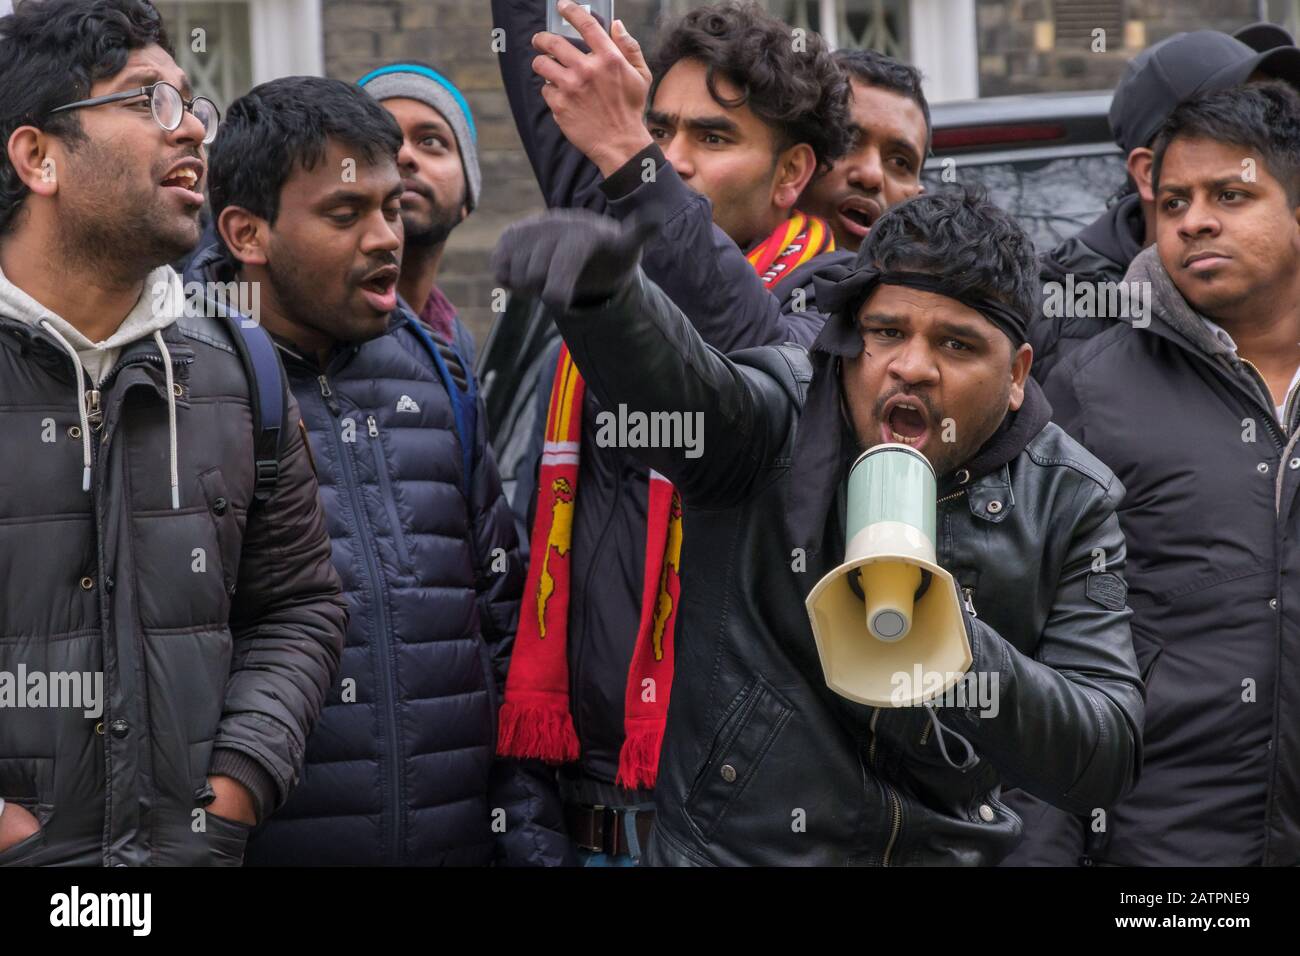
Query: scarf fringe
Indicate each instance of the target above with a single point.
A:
(537, 730)
(638, 760)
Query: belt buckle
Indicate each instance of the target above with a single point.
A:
(596, 831)
(617, 842)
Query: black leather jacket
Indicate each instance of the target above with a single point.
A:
(762, 763)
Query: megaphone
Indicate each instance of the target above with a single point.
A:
(889, 609)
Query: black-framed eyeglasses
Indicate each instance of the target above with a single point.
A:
(166, 104)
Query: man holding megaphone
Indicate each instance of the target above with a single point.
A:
(905, 584)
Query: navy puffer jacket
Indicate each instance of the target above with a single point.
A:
(401, 768)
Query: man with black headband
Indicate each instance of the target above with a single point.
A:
(925, 345)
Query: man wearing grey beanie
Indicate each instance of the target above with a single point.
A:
(440, 172)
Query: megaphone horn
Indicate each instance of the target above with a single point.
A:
(889, 607)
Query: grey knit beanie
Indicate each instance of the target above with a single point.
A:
(418, 82)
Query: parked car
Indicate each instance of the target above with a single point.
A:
(1047, 157)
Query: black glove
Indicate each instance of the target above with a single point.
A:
(568, 257)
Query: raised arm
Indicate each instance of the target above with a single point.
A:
(637, 350)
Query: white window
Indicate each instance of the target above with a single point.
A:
(230, 46)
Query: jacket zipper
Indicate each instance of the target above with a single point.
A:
(386, 489)
(895, 805)
(383, 640)
(95, 417)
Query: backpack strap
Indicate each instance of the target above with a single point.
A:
(262, 366)
(464, 404)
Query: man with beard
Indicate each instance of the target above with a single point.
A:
(925, 345)
(891, 137)
(441, 182)
(148, 550)
(306, 193)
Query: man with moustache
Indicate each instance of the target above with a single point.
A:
(442, 182)
(891, 138)
(927, 328)
(306, 192)
(143, 537)
(1196, 411)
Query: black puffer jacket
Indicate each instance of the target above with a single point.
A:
(217, 628)
(1212, 518)
(1101, 252)
(401, 768)
(762, 763)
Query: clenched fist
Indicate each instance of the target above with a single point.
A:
(568, 258)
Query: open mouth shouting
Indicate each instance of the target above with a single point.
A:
(183, 179)
(906, 420)
(858, 214)
(380, 288)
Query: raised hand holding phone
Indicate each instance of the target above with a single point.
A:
(598, 98)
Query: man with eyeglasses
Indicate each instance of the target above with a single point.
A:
(171, 620)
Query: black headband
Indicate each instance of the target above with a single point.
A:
(843, 294)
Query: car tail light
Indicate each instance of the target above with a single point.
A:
(966, 137)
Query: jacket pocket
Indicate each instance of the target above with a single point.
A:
(226, 840)
(222, 512)
(24, 852)
(749, 727)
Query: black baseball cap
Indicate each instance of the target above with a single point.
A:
(1182, 66)
(1264, 36)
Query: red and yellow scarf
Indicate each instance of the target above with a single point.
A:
(536, 720)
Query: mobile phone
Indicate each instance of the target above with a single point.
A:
(602, 10)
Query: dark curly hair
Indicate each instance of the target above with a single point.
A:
(51, 53)
(791, 82)
(959, 234)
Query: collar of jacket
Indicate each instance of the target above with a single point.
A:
(1173, 318)
(34, 343)
(1172, 315)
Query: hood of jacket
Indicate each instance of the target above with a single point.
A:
(160, 304)
(1173, 312)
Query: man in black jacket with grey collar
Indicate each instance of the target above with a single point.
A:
(1195, 407)
(762, 763)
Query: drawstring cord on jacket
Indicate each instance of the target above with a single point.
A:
(85, 418)
(939, 730)
(171, 417)
(81, 401)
